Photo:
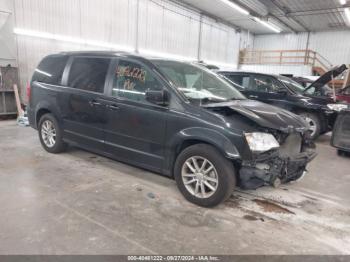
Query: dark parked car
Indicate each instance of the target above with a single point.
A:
(178, 119)
(319, 87)
(323, 90)
(344, 94)
(281, 91)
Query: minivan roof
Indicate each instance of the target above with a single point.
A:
(118, 53)
(97, 53)
(248, 72)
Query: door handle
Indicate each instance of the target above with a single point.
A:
(113, 107)
(94, 103)
(251, 96)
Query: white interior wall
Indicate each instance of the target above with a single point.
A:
(280, 41)
(247, 40)
(334, 46)
(146, 25)
(218, 43)
(7, 40)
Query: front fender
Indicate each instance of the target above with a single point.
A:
(210, 136)
(205, 135)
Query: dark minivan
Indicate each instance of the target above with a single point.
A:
(174, 118)
(320, 112)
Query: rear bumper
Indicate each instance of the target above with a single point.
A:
(31, 117)
(274, 169)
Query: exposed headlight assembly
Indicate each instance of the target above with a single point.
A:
(337, 107)
(261, 142)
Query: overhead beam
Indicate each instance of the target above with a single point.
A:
(204, 13)
(319, 11)
(283, 23)
(253, 13)
(287, 14)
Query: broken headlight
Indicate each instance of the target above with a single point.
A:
(337, 107)
(261, 142)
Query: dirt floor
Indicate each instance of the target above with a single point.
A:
(81, 203)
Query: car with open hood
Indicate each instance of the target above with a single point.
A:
(178, 119)
(343, 94)
(320, 112)
(319, 87)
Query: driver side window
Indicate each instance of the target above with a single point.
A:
(266, 84)
(132, 80)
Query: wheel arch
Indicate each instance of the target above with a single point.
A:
(193, 136)
(42, 109)
(316, 112)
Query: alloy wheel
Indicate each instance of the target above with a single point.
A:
(312, 125)
(200, 177)
(48, 133)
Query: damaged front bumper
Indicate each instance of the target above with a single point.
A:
(274, 169)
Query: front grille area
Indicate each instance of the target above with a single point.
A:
(291, 145)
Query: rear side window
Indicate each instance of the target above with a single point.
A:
(265, 84)
(242, 80)
(50, 70)
(89, 73)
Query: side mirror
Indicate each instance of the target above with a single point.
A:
(158, 97)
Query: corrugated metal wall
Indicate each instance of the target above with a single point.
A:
(168, 28)
(8, 51)
(219, 42)
(334, 46)
(280, 41)
(163, 26)
(247, 40)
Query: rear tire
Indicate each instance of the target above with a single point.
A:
(199, 166)
(315, 124)
(50, 134)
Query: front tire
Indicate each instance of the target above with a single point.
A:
(315, 124)
(204, 176)
(50, 134)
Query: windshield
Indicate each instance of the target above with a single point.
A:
(320, 91)
(197, 83)
(291, 84)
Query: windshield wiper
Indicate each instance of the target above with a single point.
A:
(207, 100)
(234, 98)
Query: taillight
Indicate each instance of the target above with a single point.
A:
(28, 92)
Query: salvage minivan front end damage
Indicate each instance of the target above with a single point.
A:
(278, 143)
(283, 163)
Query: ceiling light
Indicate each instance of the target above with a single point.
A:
(63, 38)
(235, 6)
(268, 25)
(347, 13)
(342, 2)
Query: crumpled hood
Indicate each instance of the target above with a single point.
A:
(265, 115)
